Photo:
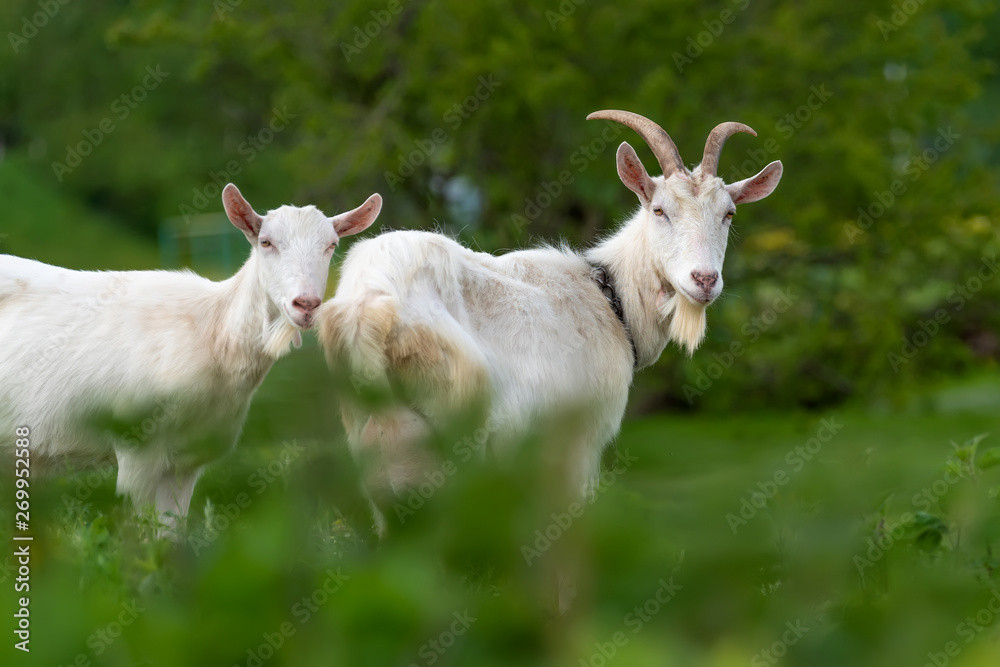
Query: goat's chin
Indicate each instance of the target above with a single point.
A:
(695, 301)
(279, 336)
(687, 320)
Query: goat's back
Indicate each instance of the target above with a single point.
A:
(82, 348)
(529, 329)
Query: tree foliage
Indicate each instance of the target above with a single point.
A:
(466, 115)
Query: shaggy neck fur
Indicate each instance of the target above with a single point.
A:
(655, 313)
(253, 332)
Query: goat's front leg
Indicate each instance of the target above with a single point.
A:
(391, 450)
(173, 496)
(584, 477)
(148, 477)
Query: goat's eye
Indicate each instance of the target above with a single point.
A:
(659, 212)
(264, 243)
(729, 217)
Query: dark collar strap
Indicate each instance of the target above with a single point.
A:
(607, 288)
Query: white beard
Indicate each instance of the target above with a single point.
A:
(687, 321)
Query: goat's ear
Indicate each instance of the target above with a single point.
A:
(359, 219)
(633, 174)
(240, 212)
(756, 187)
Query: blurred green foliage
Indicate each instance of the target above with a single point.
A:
(860, 290)
(45, 224)
(873, 536)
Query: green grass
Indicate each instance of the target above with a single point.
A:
(42, 221)
(259, 542)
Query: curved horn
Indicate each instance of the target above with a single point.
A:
(658, 141)
(716, 140)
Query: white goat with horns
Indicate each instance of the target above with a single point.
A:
(158, 367)
(533, 332)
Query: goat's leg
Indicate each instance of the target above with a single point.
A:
(391, 450)
(173, 496)
(139, 472)
(583, 473)
(148, 477)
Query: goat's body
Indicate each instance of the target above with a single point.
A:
(528, 332)
(156, 367)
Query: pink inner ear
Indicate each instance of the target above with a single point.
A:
(249, 221)
(241, 213)
(353, 223)
(756, 187)
(634, 175)
(358, 220)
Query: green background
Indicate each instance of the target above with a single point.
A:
(881, 235)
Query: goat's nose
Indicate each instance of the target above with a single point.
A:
(705, 279)
(306, 304)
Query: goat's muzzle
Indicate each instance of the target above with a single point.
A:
(306, 304)
(703, 289)
(304, 309)
(705, 279)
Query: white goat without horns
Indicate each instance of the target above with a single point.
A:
(532, 332)
(158, 367)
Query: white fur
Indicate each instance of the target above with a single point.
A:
(528, 332)
(156, 367)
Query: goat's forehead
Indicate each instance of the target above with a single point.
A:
(296, 220)
(695, 193)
